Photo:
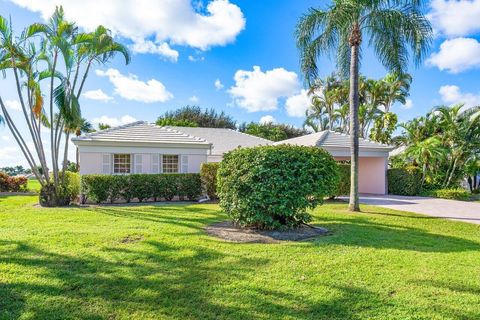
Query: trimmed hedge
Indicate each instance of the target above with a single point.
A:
(101, 188)
(208, 174)
(453, 194)
(404, 181)
(271, 187)
(12, 184)
(343, 186)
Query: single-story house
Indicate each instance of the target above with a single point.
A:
(142, 147)
(373, 157)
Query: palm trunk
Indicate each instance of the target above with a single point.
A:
(52, 137)
(354, 126)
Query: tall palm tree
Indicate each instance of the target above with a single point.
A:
(397, 87)
(81, 127)
(392, 27)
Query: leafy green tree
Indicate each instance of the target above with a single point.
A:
(103, 126)
(195, 116)
(272, 131)
(55, 52)
(175, 122)
(426, 153)
(392, 28)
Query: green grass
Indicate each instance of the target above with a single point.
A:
(379, 264)
(33, 185)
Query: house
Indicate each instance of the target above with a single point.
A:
(373, 157)
(142, 147)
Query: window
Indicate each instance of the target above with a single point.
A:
(121, 163)
(170, 163)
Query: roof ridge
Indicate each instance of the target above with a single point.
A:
(185, 134)
(110, 129)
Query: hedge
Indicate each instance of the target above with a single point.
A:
(404, 181)
(208, 174)
(453, 194)
(12, 184)
(271, 187)
(343, 186)
(101, 188)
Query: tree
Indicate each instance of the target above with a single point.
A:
(195, 116)
(426, 153)
(392, 27)
(103, 126)
(58, 53)
(272, 131)
(79, 127)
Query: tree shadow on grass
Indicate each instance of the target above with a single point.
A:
(152, 280)
(160, 280)
(363, 232)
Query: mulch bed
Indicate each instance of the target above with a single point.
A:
(228, 231)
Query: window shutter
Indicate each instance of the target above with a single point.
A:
(184, 163)
(155, 163)
(138, 163)
(107, 164)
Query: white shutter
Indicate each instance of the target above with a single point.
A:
(155, 163)
(138, 163)
(106, 163)
(184, 163)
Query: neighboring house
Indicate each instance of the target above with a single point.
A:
(373, 157)
(141, 147)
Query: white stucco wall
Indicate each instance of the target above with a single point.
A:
(91, 157)
(372, 174)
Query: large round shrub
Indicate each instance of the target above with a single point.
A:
(271, 187)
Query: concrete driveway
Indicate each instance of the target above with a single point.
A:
(441, 208)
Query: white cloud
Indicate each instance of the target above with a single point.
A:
(451, 94)
(408, 104)
(174, 21)
(455, 18)
(6, 138)
(457, 55)
(193, 99)
(297, 105)
(260, 91)
(267, 119)
(98, 95)
(162, 49)
(114, 122)
(13, 105)
(196, 59)
(218, 84)
(131, 88)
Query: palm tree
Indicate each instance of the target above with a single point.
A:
(426, 153)
(78, 128)
(397, 88)
(391, 27)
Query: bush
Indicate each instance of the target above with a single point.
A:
(208, 174)
(454, 194)
(343, 186)
(72, 185)
(271, 187)
(404, 181)
(12, 184)
(101, 188)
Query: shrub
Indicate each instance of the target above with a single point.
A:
(208, 174)
(101, 188)
(343, 186)
(72, 185)
(271, 187)
(453, 193)
(189, 185)
(404, 181)
(12, 184)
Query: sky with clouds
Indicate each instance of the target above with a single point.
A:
(237, 56)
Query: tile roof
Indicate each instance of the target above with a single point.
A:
(223, 140)
(142, 131)
(333, 139)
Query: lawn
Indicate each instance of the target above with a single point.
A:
(33, 185)
(151, 262)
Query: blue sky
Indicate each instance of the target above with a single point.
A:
(237, 56)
